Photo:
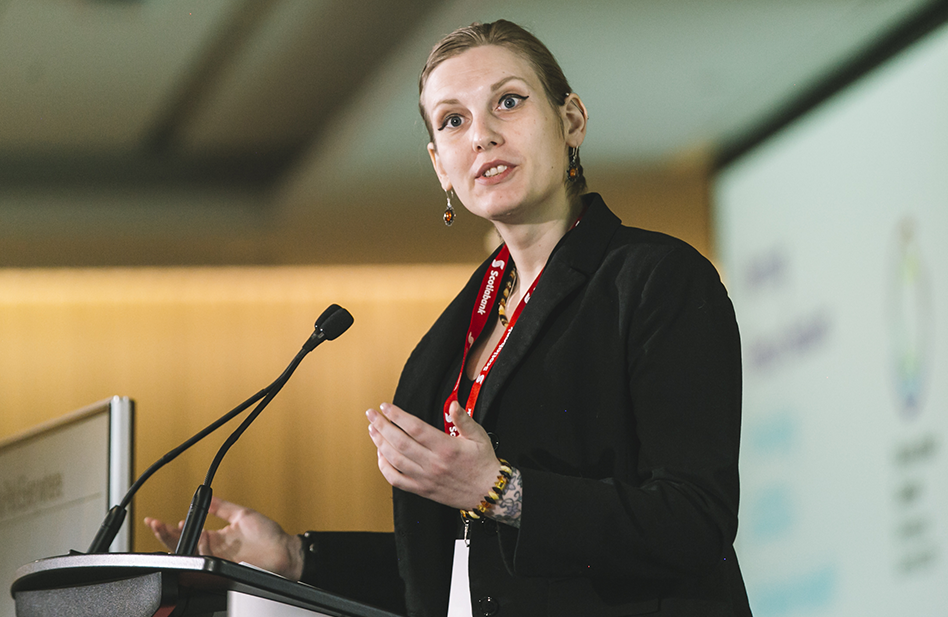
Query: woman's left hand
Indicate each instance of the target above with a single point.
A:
(416, 457)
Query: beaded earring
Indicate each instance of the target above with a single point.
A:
(449, 214)
(575, 169)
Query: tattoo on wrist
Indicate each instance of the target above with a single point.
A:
(507, 509)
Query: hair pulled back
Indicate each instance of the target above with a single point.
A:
(512, 37)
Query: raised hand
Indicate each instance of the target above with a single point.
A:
(417, 457)
(248, 537)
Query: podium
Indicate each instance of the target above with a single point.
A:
(160, 585)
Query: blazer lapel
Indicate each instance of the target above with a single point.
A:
(572, 261)
(558, 284)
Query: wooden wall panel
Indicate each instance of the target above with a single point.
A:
(188, 344)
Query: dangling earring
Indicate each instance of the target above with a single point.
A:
(575, 170)
(449, 214)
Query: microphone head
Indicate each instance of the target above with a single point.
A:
(332, 308)
(335, 323)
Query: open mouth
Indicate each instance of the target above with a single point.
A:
(495, 171)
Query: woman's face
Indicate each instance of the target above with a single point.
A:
(497, 140)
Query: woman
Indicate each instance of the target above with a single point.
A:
(602, 362)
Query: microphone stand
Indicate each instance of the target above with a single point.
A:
(336, 321)
(116, 515)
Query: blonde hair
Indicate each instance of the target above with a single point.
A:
(510, 36)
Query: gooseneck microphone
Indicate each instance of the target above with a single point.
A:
(116, 516)
(334, 321)
(331, 323)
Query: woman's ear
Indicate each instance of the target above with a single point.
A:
(439, 169)
(574, 120)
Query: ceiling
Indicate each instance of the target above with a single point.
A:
(290, 100)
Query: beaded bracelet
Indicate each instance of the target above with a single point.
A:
(495, 493)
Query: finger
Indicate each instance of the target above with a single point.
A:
(404, 458)
(380, 444)
(390, 438)
(166, 535)
(224, 509)
(163, 531)
(467, 427)
(396, 478)
(204, 545)
(415, 427)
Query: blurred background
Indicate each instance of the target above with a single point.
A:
(184, 186)
(262, 132)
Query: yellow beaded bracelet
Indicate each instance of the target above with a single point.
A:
(495, 493)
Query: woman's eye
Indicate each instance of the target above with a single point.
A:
(509, 101)
(452, 122)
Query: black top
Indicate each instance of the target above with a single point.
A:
(617, 396)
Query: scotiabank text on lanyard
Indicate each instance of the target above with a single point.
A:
(482, 309)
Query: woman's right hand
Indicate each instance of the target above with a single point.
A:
(249, 536)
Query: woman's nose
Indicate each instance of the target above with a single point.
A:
(486, 134)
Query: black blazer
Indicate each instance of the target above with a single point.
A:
(618, 398)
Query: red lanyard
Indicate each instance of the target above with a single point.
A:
(487, 297)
